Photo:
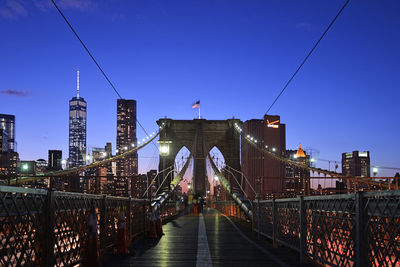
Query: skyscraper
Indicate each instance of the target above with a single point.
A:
(55, 158)
(126, 137)
(3, 141)
(77, 129)
(264, 173)
(7, 123)
(356, 164)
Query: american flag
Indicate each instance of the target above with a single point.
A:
(196, 105)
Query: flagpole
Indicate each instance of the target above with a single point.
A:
(199, 111)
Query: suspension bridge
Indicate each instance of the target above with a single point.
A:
(46, 227)
(52, 223)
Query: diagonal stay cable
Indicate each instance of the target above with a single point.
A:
(308, 55)
(87, 50)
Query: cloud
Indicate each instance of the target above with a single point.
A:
(77, 4)
(305, 26)
(81, 5)
(17, 93)
(13, 9)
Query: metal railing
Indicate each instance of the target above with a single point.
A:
(229, 208)
(49, 228)
(361, 229)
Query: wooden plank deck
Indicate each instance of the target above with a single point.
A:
(181, 242)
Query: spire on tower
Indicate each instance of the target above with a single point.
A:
(77, 84)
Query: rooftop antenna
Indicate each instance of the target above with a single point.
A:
(77, 84)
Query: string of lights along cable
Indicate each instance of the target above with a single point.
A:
(308, 55)
(256, 144)
(95, 62)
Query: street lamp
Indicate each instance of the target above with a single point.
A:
(164, 148)
(375, 171)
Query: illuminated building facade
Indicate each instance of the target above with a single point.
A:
(77, 130)
(3, 141)
(356, 164)
(8, 164)
(41, 165)
(7, 124)
(297, 180)
(264, 173)
(138, 185)
(98, 154)
(126, 139)
(55, 160)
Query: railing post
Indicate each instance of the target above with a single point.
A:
(146, 205)
(129, 219)
(258, 217)
(303, 230)
(361, 253)
(274, 225)
(103, 223)
(48, 248)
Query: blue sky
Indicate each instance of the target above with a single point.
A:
(235, 56)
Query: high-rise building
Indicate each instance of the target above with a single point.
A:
(138, 185)
(41, 165)
(356, 164)
(126, 139)
(7, 123)
(108, 149)
(55, 160)
(8, 164)
(77, 129)
(264, 173)
(3, 140)
(98, 153)
(297, 180)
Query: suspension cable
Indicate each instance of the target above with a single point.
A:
(308, 55)
(152, 181)
(245, 178)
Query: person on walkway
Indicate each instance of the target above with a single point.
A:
(200, 203)
(185, 201)
(122, 241)
(190, 203)
(92, 247)
(177, 205)
(195, 206)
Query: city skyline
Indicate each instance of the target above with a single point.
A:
(246, 66)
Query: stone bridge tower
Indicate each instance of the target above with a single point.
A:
(199, 136)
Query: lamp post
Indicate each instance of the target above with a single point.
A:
(164, 152)
(374, 171)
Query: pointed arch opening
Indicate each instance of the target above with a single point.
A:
(181, 157)
(213, 186)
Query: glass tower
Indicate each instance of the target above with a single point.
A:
(126, 137)
(77, 130)
(7, 123)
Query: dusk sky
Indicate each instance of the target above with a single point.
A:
(233, 56)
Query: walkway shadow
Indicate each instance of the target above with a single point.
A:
(137, 248)
(140, 246)
(175, 224)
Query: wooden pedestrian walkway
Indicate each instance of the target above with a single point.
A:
(208, 239)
